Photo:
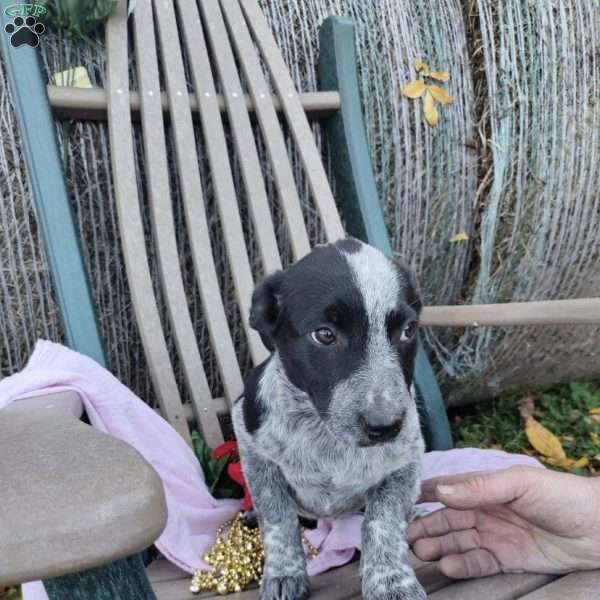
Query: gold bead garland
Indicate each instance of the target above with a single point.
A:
(237, 559)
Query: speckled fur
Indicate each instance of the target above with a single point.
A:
(305, 461)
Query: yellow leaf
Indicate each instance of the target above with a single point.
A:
(430, 111)
(414, 89)
(421, 67)
(595, 438)
(441, 95)
(544, 441)
(561, 463)
(595, 411)
(580, 463)
(439, 75)
(568, 464)
(459, 237)
(76, 77)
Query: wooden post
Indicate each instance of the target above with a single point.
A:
(40, 148)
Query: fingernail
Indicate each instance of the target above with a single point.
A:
(446, 490)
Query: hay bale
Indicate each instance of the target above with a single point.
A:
(538, 67)
(513, 163)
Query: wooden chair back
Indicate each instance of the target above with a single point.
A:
(238, 77)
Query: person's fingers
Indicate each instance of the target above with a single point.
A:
(428, 486)
(455, 542)
(439, 523)
(473, 563)
(499, 487)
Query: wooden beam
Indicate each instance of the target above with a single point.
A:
(90, 103)
(550, 312)
(52, 199)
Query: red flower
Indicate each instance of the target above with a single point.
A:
(226, 449)
(234, 470)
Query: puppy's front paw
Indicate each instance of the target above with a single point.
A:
(285, 588)
(396, 590)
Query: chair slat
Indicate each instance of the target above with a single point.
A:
(193, 199)
(130, 223)
(262, 100)
(161, 212)
(221, 174)
(297, 121)
(243, 135)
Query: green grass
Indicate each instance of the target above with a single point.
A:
(564, 410)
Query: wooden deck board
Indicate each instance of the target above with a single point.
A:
(582, 585)
(498, 587)
(170, 583)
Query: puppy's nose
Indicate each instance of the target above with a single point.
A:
(381, 429)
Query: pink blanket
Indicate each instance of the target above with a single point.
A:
(193, 514)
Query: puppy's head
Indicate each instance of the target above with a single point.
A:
(343, 321)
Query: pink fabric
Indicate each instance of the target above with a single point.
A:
(193, 514)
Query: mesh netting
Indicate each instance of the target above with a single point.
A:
(538, 97)
(513, 163)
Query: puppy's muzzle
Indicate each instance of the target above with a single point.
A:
(380, 428)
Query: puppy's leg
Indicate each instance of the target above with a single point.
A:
(284, 574)
(386, 572)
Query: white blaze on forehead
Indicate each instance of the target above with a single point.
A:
(377, 281)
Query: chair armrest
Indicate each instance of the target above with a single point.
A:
(71, 497)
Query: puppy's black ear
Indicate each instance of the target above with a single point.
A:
(410, 285)
(266, 309)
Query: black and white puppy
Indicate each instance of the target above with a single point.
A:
(328, 424)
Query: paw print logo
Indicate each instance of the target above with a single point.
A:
(24, 31)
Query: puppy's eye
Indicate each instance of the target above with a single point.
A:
(409, 331)
(323, 336)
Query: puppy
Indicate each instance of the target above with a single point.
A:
(328, 425)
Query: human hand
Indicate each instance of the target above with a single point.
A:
(521, 519)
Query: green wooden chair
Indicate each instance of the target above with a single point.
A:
(77, 555)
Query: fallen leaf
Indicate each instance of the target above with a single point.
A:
(459, 237)
(414, 89)
(441, 95)
(595, 438)
(430, 111)
(439, 75)
(421, 67)
(595, 411)
(543, 440)
(526, 407)
(562, 463)
(584, 461)
(568, 464)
